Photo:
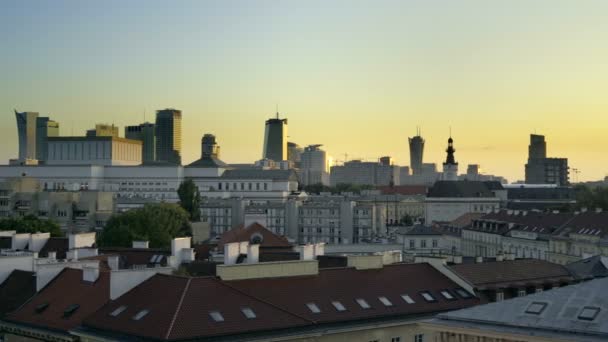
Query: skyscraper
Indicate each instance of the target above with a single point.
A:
(294, 153)
(450, 167)
(33, 131)
(315, 165)
(275, 139)
(169, 136)
(543, 170)
(538, 147)
(145, 133)
(416, 153)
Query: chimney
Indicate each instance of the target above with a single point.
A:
(319, 249)
(583, 209)
(231, 253)
(478, 260)
(500, 257)
(307, 252)
(72, 255)
(457, 259)
(113, 262)
(253, 254)
(510, 256)
(90, 274)
(188, 255)
(141, 244)
(52, 255)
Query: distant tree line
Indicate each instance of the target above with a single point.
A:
(591, 197)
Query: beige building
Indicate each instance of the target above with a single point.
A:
(93, 150)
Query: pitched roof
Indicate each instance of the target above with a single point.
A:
(464, 219)
(403, 190)
(129, 257)
(532, 221)
(420, 229)
(245, 174)
(181, 310)
(47, 309)
(240, 234)
(16, 289)
(593, 267)
(210, 162)
(559, 317)
(503, 273)
(453, 189)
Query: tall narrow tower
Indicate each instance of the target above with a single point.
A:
(416, 153)
(275, 139)
(26, 130)
(450, 167)
(169, 136)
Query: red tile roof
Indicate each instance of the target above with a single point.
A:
(67, 289)
(240, 234)
(130, 257)
(512, 272)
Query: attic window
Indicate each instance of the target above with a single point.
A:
(589, 313)
(385, 301)
(69, 311)
(313, 308)
(248, 312)
(118, 311)
(428, 296)
(407, 299)
(140, 315)
(536, 308)
(447, 295)
(40, 308)
(362, 303)
(216, 315)
(463, 294)
(338, 306)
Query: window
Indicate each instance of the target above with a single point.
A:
(216, 316)
(140, 315)
(536, 308)
(40, 308)
(385, 301)
(69, 311)
(500, 296)
(412, 243)
(435, 243)
(118, 311)
(521, 293)
(447, 295)
(396, 339)
(338, 306)
(408, 299)
(428, 296)
(362, 303)
(422, 243)
(419, 338)
(589, 313)
(313, 308)
(248, 313)
(463, 294)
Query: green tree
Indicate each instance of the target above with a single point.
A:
(591, 198)
(190, 199)
(156, 223)
(30, 224)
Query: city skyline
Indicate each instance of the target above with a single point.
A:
(492, 72)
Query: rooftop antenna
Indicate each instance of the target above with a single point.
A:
(277, 107)
(450, 131)
(144, 114)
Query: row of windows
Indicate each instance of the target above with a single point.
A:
(423, 243)
(243, 186)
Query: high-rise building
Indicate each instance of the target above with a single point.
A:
(169, 136)
(210, 154)
(45, 128)
(416, 153)
(543, 170)
(33, 131)
(103, 130)
(275, 139)
(315, 166)
(450, 167)
(294, 153)
(364, 173)
(145, 133)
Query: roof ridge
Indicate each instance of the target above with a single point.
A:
(179, 307)
(265, 302)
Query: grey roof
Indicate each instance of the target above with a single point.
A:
(209, 162)
(460, 189)
(260, 174)
(593, 267)
(419, 229)
(559, 319)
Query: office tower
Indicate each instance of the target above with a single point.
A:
(473, 172)
(145, 133)
(543, 170)
(314, 165)
(45, 128)
(26, 130)
(294, 153)
(103, 130)
(386, 160)
(450, 167)
(169, 136)
(364, 173)
(416, 153)
(209, 147)
(275, 139)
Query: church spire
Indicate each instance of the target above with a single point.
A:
(450, 150)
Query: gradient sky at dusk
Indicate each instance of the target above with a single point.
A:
(356, 76)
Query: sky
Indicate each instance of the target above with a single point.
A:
(355, 76)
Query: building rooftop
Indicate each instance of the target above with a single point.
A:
(208, 162)
(281, 175)
(419, 229)
(254, 233)
(16, 289)
(463, 189)
(508, 273)
(572, 313)
(590, 268)
(59, 245)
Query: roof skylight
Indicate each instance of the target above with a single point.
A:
(463, 293)
(338, 306)
(248, 312)
(40, 308)
(216, 315)
(589, 313)
(362, 303)
(69, 311)
(140, 315)
(428, 296)
(536, 308)
(313, 308)
(447, 295)
(407, 299)
(118, 311)
(385, 301)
